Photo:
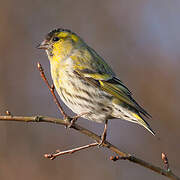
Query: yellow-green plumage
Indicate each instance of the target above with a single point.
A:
(86, 83)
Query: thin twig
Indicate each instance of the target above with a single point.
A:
(95, 137)
(52, 156)
(51, 88)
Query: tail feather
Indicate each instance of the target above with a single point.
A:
(142, 122)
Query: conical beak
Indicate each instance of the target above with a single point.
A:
(43, 45)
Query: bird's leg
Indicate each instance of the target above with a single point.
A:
(104, 134)
(75, 118)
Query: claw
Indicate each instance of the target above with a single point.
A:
(72, 122)
(74, 119)
(100, 143)
(67, 120)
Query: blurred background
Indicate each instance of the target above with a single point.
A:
(140, 39)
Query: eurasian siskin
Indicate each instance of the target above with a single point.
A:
(86, 83)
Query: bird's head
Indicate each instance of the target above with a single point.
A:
(60, 43)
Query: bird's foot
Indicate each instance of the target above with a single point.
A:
(72, 122)
(74, 119)
(100, 144)
(104, 134)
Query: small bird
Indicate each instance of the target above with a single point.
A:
(87, 84)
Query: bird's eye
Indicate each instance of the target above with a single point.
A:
(55, 39)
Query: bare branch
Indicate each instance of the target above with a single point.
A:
(95, 137)
(52, 156)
